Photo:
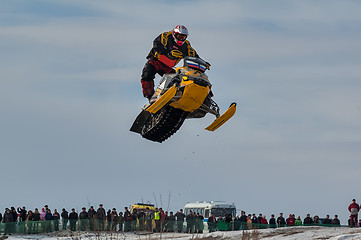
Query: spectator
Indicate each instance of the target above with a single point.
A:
(15, 214)
(92, 216)
(8, 219)
(316, 220)
(353, 208)
(308, 220)
(83, 214)
(298, 221)
(190, 218)
(254, 219)
(29, 217)
(8, 216)
(264, 220)
(114, 219)
(73, 218)
(166, 222)
(327, 221)
(200, 225)
(42, 214)
(121, 221)
(281, 221)
(30, 222)
(83, 219)
(141, 219)
(169, 222)
(1, 217)
(243, 220)
(162, 216)
(227, 218)
(65, 218)
(148, 215)
(134, 219)
(128, 220)
(109, 219)
(212, 222)
(336, 221)
(55, 218)
(272, 221)
(157, 219)
(290, 220)
(36, 215)
(48, 215)
(101, 217)
(259, 219)
(237, 223)
(22, 212)
(249, 221)
(22, 219)
(180, 219)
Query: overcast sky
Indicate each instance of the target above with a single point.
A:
(70, 90)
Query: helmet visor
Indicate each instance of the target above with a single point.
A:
(180, 37)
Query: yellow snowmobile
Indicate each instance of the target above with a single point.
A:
(181, 95)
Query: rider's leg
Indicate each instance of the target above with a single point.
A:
(147, 80)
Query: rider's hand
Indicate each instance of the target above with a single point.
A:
(208, 65)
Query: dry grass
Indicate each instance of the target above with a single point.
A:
(254, 235)
(205, 238)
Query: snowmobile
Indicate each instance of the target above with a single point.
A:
(182, 95)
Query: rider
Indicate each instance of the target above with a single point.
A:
(168, 49)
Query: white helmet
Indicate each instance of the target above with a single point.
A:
(180, 34)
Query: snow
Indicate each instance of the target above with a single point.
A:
(289, 233)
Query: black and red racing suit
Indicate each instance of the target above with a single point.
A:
(164, 55)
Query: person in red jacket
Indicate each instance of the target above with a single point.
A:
(168, 49)
(264, 220)
(354, 208)
(162, 214)
(291, 220)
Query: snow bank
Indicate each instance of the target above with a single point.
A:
(289, 233)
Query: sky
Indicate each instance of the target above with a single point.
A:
(70, 90)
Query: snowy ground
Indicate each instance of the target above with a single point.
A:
(299, 233)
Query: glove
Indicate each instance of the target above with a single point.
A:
(208, 65)
(176, 54)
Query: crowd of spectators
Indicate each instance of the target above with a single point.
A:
(157, 220)
(251, 221)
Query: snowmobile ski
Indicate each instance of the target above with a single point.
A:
(223, 118)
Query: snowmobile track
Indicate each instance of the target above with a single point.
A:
(163, 124)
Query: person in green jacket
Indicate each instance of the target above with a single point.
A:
(199, 223)
(298, 221)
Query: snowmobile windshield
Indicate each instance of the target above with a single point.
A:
(195, 63)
